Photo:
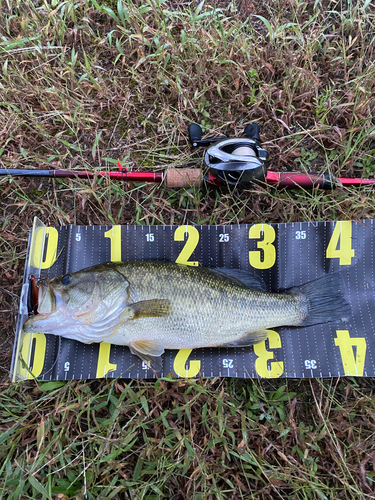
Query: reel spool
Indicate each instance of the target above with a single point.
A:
(231, 161)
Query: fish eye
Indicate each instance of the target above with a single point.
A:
(66, 279)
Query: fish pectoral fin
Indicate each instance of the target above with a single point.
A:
(149, 351)
(154, 308)
(249, 339)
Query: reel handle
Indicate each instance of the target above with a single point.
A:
(252, 131)
(195, 136)
(195, 133)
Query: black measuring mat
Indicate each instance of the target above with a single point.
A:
(284, 255)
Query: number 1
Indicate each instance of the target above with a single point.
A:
(114, 236)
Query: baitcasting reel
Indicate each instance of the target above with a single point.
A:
(236, 162)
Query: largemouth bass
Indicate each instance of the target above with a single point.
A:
(153, 306)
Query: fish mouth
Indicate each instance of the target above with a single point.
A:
(33, 323)
(42, 290)
(46, 299)
(47, 314)
(32, 296)
(50, 299)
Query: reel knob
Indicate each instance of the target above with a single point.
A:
(252, 131)
(195, 134)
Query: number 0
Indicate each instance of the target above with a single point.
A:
(38, 242)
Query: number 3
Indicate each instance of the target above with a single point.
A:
(276, 368)
(265, 246)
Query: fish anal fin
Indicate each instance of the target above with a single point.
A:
(149, 351)
(249, 339)
(154, 308)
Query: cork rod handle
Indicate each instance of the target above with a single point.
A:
(183, 177)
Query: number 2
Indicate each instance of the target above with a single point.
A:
(192, 234)
(180, 361)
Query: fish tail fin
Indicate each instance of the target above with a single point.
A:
(325, 300)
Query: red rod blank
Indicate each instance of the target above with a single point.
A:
(125, 176)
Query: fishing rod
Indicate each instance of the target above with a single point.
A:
(233, 162)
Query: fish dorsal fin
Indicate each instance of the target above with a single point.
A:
(244, 279)
(249, 339)
(154, 308)
(149, 351)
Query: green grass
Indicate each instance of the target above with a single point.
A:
(83, 84)
(187, 439)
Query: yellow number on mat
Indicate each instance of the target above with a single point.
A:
(268, 250)
(114, 235)
(180, 363)
(104, 365)
(276, 368)
(38, 242)
(192, 234)
(353, 365)
(342, 234)
(37, 362)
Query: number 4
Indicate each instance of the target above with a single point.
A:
(353, 364)
(342, 234)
